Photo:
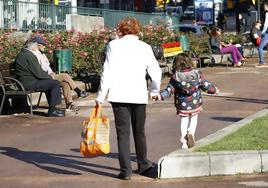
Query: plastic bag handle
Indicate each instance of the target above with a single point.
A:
(95, 113)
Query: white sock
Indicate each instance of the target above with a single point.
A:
(184, 127)
(193, 124)
(184, 144)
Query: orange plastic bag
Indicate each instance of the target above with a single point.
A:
(95, 134)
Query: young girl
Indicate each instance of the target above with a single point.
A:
(186, 84)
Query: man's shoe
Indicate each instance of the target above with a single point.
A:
(123, 177)
(56, 113)
(71, 108)
(82, 94)
(61, 111)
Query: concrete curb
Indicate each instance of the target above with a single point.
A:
(186, 163)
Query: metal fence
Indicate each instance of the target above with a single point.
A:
(37, 16)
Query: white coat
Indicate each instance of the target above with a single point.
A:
(123, 77)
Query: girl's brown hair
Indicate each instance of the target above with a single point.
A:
(214, 31)
(129, 26)
(181, 62)
(255, 23)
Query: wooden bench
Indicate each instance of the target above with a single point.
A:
(11, 87)
(218, 58)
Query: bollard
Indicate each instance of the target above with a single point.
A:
(185, 43)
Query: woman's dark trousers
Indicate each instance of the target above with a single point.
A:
(134, 114)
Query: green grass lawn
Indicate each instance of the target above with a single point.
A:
(253, 136)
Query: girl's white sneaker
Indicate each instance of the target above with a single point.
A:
(184, 145)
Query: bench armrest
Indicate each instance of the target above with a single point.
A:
(14, 80)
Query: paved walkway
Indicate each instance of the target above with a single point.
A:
(44, 152)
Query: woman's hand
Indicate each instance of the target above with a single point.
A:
(155, 96)
(98, 104)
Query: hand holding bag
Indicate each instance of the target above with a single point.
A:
(95, 134)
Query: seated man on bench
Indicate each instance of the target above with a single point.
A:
(65, 79)
(29, 72)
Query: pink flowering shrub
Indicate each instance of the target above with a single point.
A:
(88, 49)
(10, 45)
(157, 35)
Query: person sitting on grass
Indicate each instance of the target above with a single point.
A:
(186, 84)
(65, 79)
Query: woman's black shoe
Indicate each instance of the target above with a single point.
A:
(82, 94)
(123, 177)
(144, 171)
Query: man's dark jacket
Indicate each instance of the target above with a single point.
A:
(27, 68)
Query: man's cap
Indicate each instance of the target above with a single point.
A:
(39, 40)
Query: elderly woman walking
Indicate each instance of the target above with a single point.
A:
(128, 59)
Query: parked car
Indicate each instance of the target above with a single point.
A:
(188, 28)
(189, 12)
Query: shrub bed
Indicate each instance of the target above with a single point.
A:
(88, 48)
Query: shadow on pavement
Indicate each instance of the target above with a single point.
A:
(240, 99)
(56, 163)
(152, 173)
(229, 119)
(39, 113)
(109, 155)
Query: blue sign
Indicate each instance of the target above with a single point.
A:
(204, 12)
